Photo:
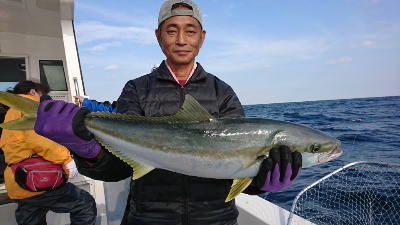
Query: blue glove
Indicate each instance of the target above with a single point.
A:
(64, 123)
(278, 170)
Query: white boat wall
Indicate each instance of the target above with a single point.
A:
(37, 42)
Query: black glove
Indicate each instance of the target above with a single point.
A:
(278, 170)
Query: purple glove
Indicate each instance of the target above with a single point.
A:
(64, 123)
(278, 170)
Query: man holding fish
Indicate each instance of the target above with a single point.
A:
(162, 196)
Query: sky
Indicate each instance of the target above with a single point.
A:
(269, 51)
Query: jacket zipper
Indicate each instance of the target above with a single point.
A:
(185, 219)
(185, 191)
(183, 93)
(35, 164)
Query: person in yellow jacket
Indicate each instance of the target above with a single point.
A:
(19, 145)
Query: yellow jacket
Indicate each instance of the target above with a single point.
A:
(19, 145)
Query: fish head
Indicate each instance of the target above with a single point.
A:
(316, 158)
(315, 146)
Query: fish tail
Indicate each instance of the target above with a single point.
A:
(26, 106)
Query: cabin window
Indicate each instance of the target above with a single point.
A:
(12, 71)
(52, 74)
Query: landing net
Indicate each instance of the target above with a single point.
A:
(358, 193)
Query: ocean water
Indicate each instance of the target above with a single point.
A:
(369, 129)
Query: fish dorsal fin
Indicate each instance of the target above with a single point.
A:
(27, 106)
(238, 186)
(191, 111)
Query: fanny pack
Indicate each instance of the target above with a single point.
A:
(37, 174)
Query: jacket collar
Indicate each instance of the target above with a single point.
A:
(34, 98)
(163, 73)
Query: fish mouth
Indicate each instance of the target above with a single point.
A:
(323, 158)
(335, 153)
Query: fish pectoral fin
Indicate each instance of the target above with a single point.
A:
(24, 123)
(238, 186)
(258, 160)
(139, 170)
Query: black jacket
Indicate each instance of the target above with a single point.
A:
(164, 197)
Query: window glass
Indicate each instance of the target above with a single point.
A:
(52, 74)
(7, 86)
(12, 70)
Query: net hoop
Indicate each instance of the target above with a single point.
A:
(300, 194)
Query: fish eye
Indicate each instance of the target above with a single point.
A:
(315, 148)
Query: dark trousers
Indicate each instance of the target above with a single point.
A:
(65, 199)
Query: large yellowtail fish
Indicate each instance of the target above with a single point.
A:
(192, 142)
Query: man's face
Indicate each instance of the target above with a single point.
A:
(180, 38)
